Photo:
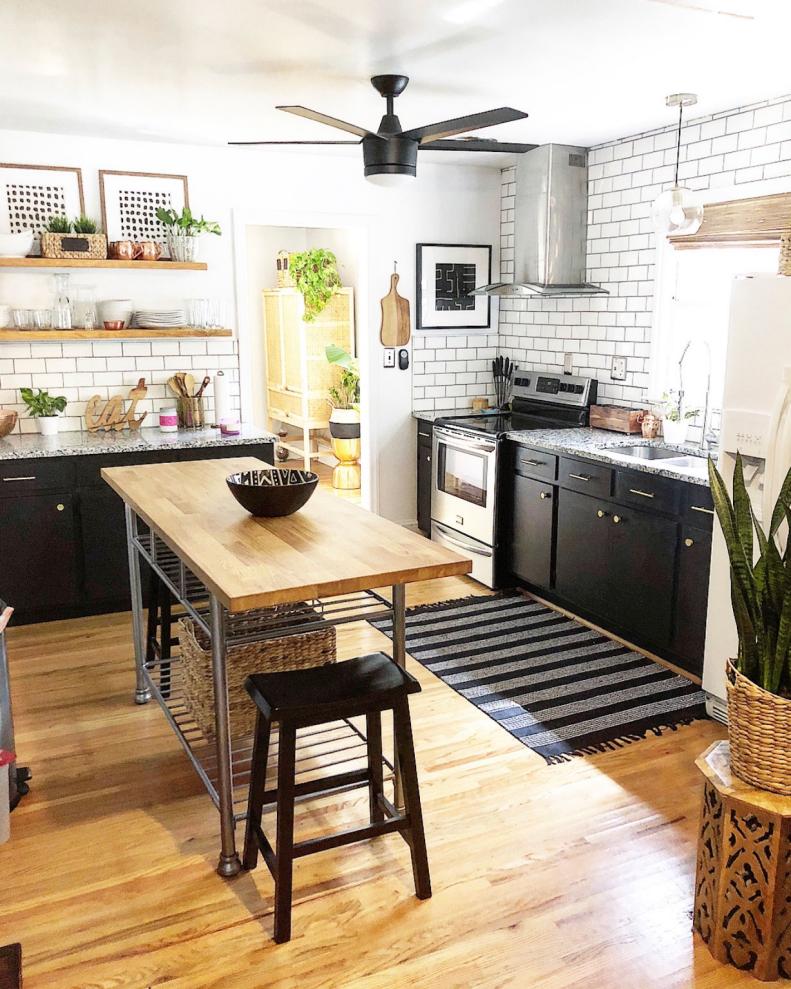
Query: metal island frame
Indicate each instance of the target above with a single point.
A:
(243, 579)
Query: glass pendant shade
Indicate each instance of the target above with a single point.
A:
(677, 211)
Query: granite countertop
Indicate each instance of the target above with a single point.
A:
(587, 442)
(29, 445)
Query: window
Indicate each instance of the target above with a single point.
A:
(695, 311)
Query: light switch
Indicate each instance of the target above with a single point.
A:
(618, 369)
(388, 357)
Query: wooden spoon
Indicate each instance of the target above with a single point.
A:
(189, 384)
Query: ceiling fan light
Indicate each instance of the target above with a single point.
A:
(677, 211)
(390, 180)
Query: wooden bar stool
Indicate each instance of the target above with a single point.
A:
(296, 699)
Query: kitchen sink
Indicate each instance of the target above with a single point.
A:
(644, 452)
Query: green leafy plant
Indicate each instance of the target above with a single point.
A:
(760, 581)
(346, 394)
(41, 403)
(85, 225)
(316, 276)
(187, 223)
(58, 225)
(671, 405)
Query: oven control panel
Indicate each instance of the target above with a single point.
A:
(563, 389)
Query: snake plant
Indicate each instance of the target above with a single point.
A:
(760, 581)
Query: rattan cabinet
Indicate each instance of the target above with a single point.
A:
(298, 375)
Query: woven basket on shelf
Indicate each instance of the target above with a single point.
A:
(290, 652)
(88, 246)
(759, 727)
(784, 265)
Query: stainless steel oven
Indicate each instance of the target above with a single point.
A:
(463, 487)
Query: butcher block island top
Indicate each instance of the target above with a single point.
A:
(329, 547)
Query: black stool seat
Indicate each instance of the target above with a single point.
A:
(338, 688)
(367, 685)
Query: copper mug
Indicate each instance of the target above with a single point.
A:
(148, 250)
(122, 250)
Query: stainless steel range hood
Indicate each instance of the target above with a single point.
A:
(551, 226)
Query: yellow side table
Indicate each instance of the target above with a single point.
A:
(743, 880)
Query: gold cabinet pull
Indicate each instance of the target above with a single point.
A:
(643, 494)
(601, 514)
(616, 519)
(61, 507)
(689, 542)
(545, 494)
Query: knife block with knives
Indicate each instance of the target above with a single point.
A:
(503, 373)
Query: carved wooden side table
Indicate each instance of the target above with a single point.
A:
(743, 882)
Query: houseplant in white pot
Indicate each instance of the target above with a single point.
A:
(675, 418)
(345, 418)
(759, 677)
(44, 408)
(184, 232)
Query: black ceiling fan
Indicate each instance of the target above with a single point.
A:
(392, 151)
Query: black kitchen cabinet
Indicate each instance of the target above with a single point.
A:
(694, 560)
(63, 531)
(641, 584)
(424, 438)
(38, 551)
(533, 530)
(583, 553)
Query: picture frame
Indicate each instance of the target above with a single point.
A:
(30, 195)
(129, 201)
(445, 273)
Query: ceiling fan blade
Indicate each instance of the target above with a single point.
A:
(460, 125)
(322, 118)
(478, 144)
(245, 143)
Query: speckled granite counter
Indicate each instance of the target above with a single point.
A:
(586, 442)
(31, 445)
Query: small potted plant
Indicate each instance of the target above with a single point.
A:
(676, 419)
(184, 232)
(315, 274)
(78, 238)
(759, 676)
(345, 418)
(44, 408)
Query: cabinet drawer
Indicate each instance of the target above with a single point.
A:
(535, 463)
(261, 451)
(424, 430)
(648, 491)
(19, 476)
(89, 467)
(587, 477)
(698, 507)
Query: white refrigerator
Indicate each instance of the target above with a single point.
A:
(756, 421)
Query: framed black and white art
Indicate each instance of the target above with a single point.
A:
(30, 195)
(130, 201)
(446, 274)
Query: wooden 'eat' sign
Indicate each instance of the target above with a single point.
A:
(112, 414)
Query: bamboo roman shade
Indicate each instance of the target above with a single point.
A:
(760, 220)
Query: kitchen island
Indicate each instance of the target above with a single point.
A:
(219, 562)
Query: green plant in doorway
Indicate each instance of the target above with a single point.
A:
(315, 273)
(346, 393)
(760, 582)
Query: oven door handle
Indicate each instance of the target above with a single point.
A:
(445, 533)
(462, 441)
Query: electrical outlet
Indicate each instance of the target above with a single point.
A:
(388, 357)
(568, 363)
(618, 369)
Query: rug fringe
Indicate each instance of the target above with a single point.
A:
(420, 609)
(613, 744)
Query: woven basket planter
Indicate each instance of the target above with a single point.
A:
(291, 652)
(759, 727)
(784, 265)
(88, 246)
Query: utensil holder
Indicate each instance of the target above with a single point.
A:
(191, 413)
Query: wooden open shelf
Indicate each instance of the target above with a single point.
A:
(94, 263)
(10, 333)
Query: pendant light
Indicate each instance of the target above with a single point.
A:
(678, 210)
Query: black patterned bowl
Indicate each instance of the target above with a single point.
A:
(273, 491)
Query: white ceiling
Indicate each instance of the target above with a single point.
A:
(587, 71)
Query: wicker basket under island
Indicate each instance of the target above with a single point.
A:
(298, 374)
(289, 652)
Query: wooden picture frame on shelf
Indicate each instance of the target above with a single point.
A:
(445, 273)
(129, 201)
(30, 195)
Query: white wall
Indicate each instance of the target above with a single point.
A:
(447, 203)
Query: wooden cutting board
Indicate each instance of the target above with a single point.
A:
(395, 329)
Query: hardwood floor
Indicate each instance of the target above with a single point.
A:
(573, 875)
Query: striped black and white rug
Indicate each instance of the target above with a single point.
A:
(559, 687)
